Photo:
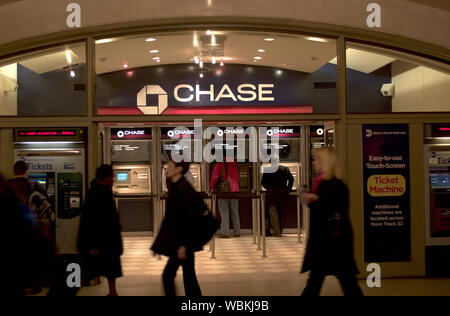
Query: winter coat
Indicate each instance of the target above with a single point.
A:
(330, 244)
(278, 184)
(183, 206)
(231, 174)
(100, 225)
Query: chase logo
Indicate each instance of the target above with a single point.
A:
(69, 165)
(152, 109)
(369, 133)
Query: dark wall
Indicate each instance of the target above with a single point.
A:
(52, 93)
(119, 89)
(363, 91)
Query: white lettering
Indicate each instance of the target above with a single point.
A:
(183, 86)
(374, 279)
(229, 95)
(242, 91)
(261, 92)
(74, 18)
(74, 279)
(374, 18)
(198, 92)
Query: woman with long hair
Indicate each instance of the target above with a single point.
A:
(330, 244)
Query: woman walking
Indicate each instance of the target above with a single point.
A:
(330, 245)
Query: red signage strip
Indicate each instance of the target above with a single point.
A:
(47, 133)
(214, 110)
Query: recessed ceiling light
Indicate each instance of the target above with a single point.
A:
(156, 58)
(316, 39)
(208, 32)
(72, 74)
(257, 58)
(195, 42)
(150, 39)
(154, 51)
(261, 50)
(103, 41)
(125, 65)
(269, 39)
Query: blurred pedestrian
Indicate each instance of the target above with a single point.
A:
(278, 185)
(100, 240)
(330, 245)
(225, 178)
(176, 236)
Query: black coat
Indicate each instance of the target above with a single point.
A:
(278, 184)
(100, 225)
(330, 244)
(183, 207)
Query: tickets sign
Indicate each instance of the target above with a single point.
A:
(387, 231)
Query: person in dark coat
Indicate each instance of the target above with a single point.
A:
(278, 186)
(100, 240)
(176, 236)
(330, 245)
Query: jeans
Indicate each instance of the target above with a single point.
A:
(191, 286)
(225, 206)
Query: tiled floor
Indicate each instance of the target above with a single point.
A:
(239, 270)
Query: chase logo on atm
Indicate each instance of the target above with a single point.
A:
(122, 134)
(276, 131)
(180, 132)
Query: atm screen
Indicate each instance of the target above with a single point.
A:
(440, 180)
(122, 176)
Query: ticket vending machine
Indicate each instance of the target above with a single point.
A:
(289, 148)
(129, 151)
(181, 140)
(56, 159)
(437, 177)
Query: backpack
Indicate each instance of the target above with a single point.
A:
(41, 206)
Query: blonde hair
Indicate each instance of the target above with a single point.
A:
(328, 163)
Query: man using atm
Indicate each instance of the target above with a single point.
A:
(278, 186)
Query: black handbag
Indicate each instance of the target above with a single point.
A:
(205, 227)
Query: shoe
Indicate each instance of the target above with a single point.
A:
(237, 235)
(223, 236)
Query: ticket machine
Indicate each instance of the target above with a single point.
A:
(56, 159)
(437, 177)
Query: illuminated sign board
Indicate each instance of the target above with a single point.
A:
(32, 133)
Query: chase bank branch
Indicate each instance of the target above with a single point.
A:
(87, 84)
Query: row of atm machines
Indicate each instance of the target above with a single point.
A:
(136, 151)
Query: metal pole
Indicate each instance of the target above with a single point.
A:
(299, 221)
(213, 240)
(159, 211)
(263, 224)
(258, 219)
(254, 221)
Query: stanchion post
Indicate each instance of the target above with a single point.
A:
(299, 221)
(258, 219)
(263, 224)
(213, 240)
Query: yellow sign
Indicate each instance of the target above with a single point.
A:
(386, 185)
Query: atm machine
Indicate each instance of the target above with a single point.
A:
(437, 186)
(56, 159)
(171, 138)
(129, 152)
(246, 183)
(289, 148)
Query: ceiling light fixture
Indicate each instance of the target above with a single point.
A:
(201, 64)
(72, 74)
(103, 41)
(221, 64)
(316, 39)
(154, 51)
(269, 39)
(156, 58)
(68, 57)
(196, 60)
(208, 32)
(258, 57)
(213, 40)
(195, 42)
(213, 60)
(201, 75)
(261, 50)
(150, 39)
(125, 65)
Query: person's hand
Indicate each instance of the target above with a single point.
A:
(95, 252)
(309, 197)
(182, 253)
